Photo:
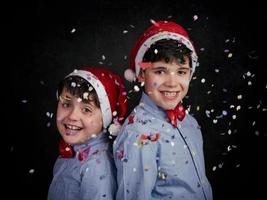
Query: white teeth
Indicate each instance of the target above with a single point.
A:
(169, 94)
(72, 127)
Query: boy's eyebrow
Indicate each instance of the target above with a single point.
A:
(64, 98)
(165, 68)
(159, 67)
(184, 68)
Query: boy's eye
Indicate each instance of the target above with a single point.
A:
(87, 110)
(65, 104)
(183, 72)
(159, 72)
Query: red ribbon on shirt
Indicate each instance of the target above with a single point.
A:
(177, 113)
(65, 150)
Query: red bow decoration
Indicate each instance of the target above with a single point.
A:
(131, 118)
(177, 113)
(152, 138)
(83, 154)
(65, 150)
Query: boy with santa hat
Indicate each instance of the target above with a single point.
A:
(159, 150)
(91, 104)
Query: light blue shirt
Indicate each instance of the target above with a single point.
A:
(170, 167)
(90, 179)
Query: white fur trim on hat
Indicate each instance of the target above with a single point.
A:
(101, 93)
(164, 35)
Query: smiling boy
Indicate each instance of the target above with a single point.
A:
(90, 100)
(158, 152)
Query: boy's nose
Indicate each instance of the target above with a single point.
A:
(73, 114)
(171, 80)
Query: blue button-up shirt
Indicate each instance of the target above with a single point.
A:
(90, 178)
(155, 160)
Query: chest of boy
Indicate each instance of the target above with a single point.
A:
(178, 151)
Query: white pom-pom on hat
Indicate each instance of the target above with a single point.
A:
(129, 75)
(114, 128)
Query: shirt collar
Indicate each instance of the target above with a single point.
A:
(99, 139)
(151, 107)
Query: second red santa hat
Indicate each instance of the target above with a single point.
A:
(160, 30)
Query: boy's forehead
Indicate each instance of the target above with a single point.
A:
(171, 65)
(67, 96)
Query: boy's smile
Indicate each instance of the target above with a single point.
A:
(167, 83)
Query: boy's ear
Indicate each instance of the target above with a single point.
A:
(141, 76)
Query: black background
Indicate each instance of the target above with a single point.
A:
(43, 47)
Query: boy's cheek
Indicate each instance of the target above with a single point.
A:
(59, 118)
(185, 82)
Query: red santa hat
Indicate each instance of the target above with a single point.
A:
(158, 31)
(111, 94)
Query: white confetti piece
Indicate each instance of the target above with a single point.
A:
(153, 21)
(239, 97)
(195, 17)
(73, 30)
(220, 165)
(114, 113)
(257, 133)
(230, 55)
(136, 88)
(48, 124)
(73, 84)
(207, 113)
(224, 112)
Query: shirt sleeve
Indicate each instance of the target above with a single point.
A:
(98, 180)
(136, 162)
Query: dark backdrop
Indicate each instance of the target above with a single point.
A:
(48, 39)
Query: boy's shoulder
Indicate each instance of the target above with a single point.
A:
(190, 120)
(139, 120)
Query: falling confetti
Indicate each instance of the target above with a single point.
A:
(73, 30)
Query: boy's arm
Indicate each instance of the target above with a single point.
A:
(136, 162)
